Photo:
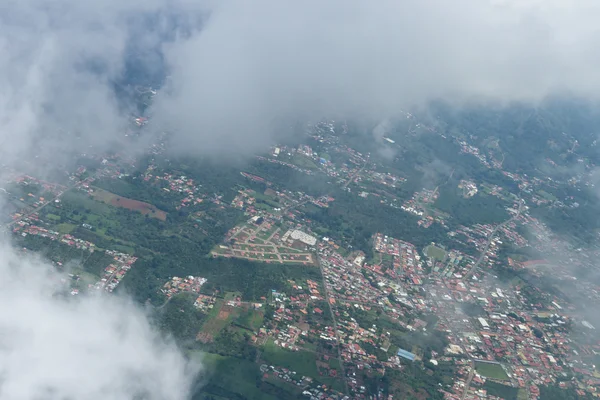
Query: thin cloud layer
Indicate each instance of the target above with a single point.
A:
(99, 347)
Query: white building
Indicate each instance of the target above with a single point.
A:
(303, 237)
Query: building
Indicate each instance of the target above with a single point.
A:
(483, 323)
(406, 354)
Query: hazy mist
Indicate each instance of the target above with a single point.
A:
(238, 74)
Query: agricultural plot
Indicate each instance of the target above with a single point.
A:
(123, 202)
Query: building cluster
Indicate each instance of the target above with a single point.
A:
(189, 284)
(184, 187)
(466, 148)
(115, 272)
(291, 165)
(204, 302)
(244, 199)
(489, 324)
(469, 188)
(525, 336)
(457, 264)
(406, 259)
(418, 205)
(26, 227)
(384, 178)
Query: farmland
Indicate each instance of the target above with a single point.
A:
(123, 202)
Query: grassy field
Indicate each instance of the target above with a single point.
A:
(494, 371)
(53, 217)
(251, 319)
(435, 252)
(303, 362)
(65, 228)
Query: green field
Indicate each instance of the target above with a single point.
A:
(303, 362)
(546, 195)
(494, 371)
(304, 162)
(435, 252)
(53, 217)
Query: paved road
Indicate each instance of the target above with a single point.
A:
(58, 196)
(487, 245)
(353, 176)
(331, 311)
(468, 382)
(288, 208)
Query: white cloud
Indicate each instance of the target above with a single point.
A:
(98, 347)
(261, 61)
(238, 78)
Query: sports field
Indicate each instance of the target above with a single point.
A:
(435, 252)
(489, 370)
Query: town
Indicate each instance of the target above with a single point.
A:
(365, 312)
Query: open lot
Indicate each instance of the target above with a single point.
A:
(219, 317)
